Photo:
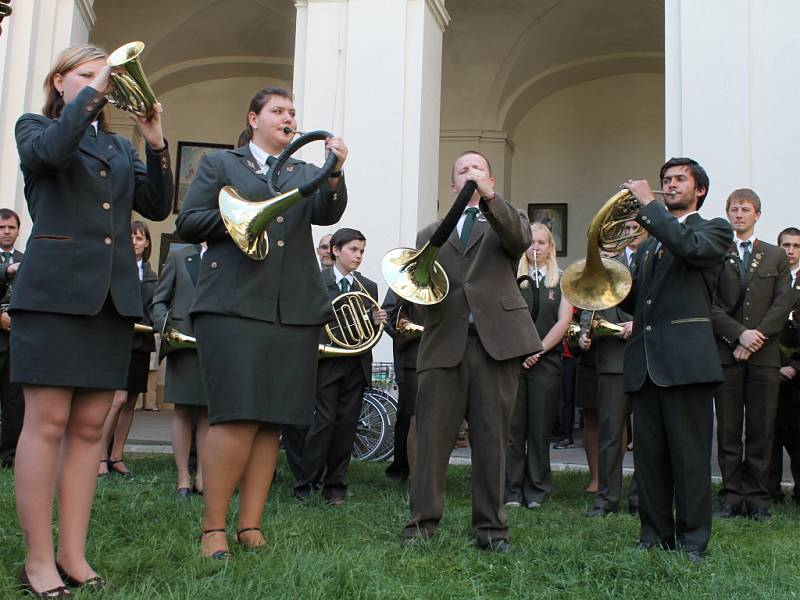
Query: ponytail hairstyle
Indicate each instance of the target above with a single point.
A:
(69, 59)
(256, 105)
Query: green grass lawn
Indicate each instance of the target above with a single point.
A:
(144, 540)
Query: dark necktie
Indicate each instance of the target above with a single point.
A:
(6, 257)
(746, 253)
(344, 285)
(469, 223)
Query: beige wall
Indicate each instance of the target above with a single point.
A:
(578, 144)
(211, 111)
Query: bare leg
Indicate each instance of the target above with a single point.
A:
(411, 444)
(77, 480)
(200, 437)
(591, 426)
(182, 442)
(227, 450)
(46, 416)
(256, 481)
(117, 404)
(121, 432)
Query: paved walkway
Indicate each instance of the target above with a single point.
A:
(151, 433)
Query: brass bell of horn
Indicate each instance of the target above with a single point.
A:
(595, 283)
(132, 92)
(414, 274)
(247, 221)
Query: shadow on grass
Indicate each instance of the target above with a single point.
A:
(144, 539)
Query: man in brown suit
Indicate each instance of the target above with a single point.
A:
(752, 304)
(470, 357)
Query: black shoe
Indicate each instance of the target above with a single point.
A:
(184, 492)
(598, 512)
(726, 511)
(563, 444)
(759, 513)
(57, 592)
(694, 556)
(414, 537)
(302, 494)
(498, 545)
(645, 545)
(396, 476)
(93, 584)
(124, 471)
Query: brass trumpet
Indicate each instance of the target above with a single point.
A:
(132, 91)
(414, 274)
(247, 221)
(353, 331)
(599, 328)
(171, 338)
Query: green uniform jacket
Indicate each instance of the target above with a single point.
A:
(81, 188)
(285, 287)
(672, 339)
(767, 301)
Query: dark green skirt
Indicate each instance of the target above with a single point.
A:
(257, 371)
(184, 380)
(73, 351)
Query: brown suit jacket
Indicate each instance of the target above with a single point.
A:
(767, 301)
(482, 281)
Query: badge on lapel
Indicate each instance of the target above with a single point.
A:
(289, 168)
(481, 218)
(251, 166)
(551, 295)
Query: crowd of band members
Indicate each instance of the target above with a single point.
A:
(708, 305)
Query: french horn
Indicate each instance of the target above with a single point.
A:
(414, 274)
(247, 221)
(352, 331)
(132, 91)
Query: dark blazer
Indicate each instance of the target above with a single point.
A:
(5, 292)
(146, 342)
(482, 280)
(610, 350)
(766, 304)
(176, 288)
(405, 349)
(287, 281)
(81, 189)
(672, 339)
(332, 290)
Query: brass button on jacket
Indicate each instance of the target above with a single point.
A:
(107, 205)
(107, 241)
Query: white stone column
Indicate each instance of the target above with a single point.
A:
(371, 73)
(731, 100)
(34, 34)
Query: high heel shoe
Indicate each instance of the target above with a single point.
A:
(93, 584)
(219, 554)
(183, 492)
(57, 592)
(261, 542)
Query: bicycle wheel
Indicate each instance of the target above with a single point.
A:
(389, 405)
(373, 423)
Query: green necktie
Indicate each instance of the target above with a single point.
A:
(469, 223)
(746, 254)
(344, 285)
(7, 257)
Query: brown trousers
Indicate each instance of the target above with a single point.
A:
(747, 401)
(483, 391)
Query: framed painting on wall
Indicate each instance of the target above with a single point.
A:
(555, 217)
(189, 156)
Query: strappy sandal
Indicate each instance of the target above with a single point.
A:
(57, 592)
(250, 545)
(126, 473)
(219, 554)
(93, 584)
